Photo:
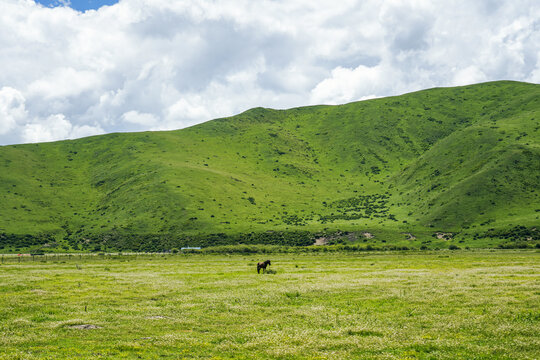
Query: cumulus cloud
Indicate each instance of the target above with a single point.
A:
(469, 75)
(12, 109)
(143, 119)
(157, 64)
(56, 127)
(360, 83)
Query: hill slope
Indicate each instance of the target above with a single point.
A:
(464, 159)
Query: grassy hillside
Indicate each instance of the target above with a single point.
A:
(462, 160)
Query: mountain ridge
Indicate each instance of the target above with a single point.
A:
(462, 160)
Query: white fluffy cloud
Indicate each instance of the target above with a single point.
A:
(55, 127)
(12, 109)
(160, 64)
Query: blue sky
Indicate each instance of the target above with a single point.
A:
(80, 5)
(167, 64)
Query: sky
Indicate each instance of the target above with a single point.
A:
(79, 5)
(77, 68)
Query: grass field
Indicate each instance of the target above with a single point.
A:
(453, 305)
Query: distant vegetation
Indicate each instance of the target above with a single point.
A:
(460, 161)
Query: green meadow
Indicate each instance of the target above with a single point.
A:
(392, 305)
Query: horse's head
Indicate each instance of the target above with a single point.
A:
(268, 262)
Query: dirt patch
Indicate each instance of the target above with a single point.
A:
(39, 291)
(339, 237)
(410, 236)
(84, 327)
(368, 235)
(444, 236)
(156, 317)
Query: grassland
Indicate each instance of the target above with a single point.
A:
(430, 305)
(458, 160)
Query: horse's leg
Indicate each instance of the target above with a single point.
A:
(258, 270)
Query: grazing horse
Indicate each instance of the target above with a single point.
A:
(262, 265)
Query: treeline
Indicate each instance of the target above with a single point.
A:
(262, 249)
(120, 241)
(518, 237)
(269, 241)
(516, 233)
(25, 240)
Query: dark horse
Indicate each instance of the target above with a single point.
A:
(262, 265)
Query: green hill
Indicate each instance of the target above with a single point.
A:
(463, 160)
